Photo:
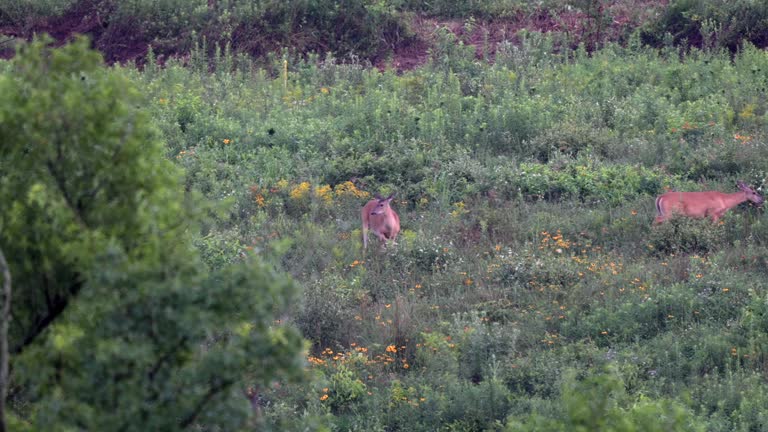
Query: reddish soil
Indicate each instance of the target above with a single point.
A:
(577, 26)
(130, 44)
(85, 18)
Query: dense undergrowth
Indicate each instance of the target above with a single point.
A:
(378, 31)
(528, 270)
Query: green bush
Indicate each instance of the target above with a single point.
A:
(25, 13)
(687, 236)
(712, 23)
(458, 405)
(326, 314)
(598, 403)
(586, 180)
(730, 402)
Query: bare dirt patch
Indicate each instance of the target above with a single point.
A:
(614, 23)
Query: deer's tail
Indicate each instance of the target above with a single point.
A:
(659, 209)
(660, 216)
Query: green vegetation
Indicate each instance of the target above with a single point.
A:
(159, 206)
(527, 260)
(349, 27)
(25, 13)
(117, 324)
(374, 30)
(712, 23)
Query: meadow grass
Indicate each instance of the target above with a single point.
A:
(527, 262)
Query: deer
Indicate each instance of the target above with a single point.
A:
(712, 204)
(380, 218)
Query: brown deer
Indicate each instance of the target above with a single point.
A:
(699, 205)
(379, 217)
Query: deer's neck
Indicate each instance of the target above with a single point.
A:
(733, 199)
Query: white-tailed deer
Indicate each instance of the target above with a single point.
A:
(710, 204)
(379, 217)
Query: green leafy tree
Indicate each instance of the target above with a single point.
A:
(117, 323)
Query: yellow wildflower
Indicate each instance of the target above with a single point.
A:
(324, 192)
(301, 191)
(348, 189)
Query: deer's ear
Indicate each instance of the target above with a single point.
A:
(741, 185)
(389, 198)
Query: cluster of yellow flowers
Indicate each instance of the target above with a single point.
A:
(459, 208)
(348, 189)
(300, 192)
(324, 193)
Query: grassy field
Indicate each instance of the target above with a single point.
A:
(528, 289)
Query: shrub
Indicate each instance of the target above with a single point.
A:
(457, 405)
(587, 180)
(570, 140)
(326, 313)
(686, 235)
(711, 23)
(598, 402)
(25, 13)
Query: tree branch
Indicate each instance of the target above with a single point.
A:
(188, 420)
(76, 208)
(156, 367)
(57, 308)
(5, 316)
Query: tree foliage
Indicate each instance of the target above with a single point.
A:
(118, 325)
